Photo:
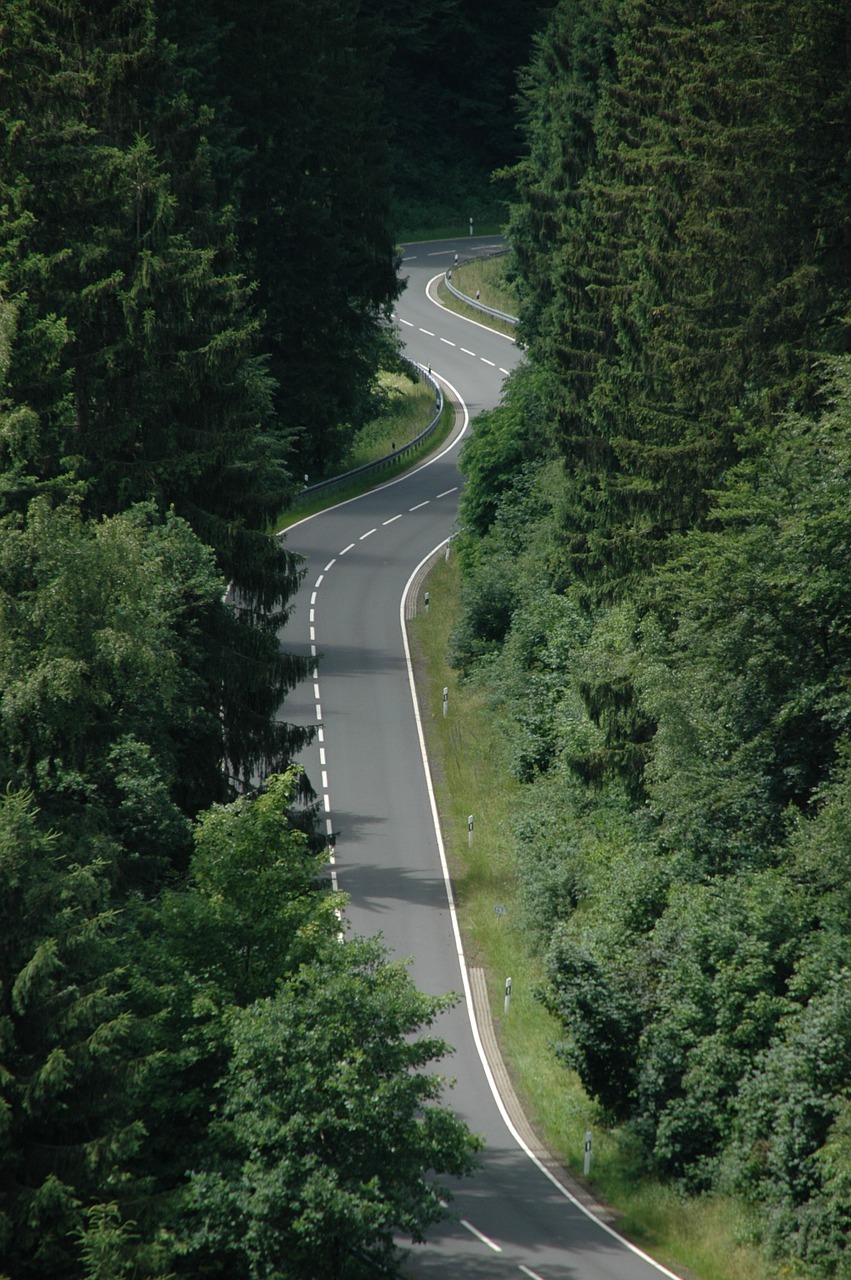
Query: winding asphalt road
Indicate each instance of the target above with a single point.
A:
(512, 1218)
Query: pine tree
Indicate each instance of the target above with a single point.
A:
(118, 248)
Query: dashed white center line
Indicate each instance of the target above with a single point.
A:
(330, 563)
(322, 756)
(319, 580)
(313, 598)
(310, 616)
(533, 1275)
(479, 1236)
(324, 780)
(316, 692)
(427, 332)
(492, 363)
(505, 371)
(420, 504)
(446, 492)
(448, 343)
(368, 534)
(392, 519)
(319, 711)
(409, 323)
(468, 353)
(326, 800)
(348, 548)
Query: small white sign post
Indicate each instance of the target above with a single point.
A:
(507, 1006)
(445, 699)
(586, 1168)
(470, 829)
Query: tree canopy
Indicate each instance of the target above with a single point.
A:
(655, 550)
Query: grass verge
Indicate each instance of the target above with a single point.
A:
(470, 313)
(708, 1239)
(487, 276)
(405, 416)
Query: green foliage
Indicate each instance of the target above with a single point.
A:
(673, 672)
(73, 1051)
(328, 1127)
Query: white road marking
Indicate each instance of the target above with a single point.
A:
(319, 580)
(313, 598)
(492, 363)
(412, 258)
(322, 756)
(316, 692)
(311, 617)
(315, 670)
(448, 343)
(312, 648)
(505, 371)
(420, 504)
(392, 519)
(312, 633)
(330, 563)
(368, 534)
(348, 548)
(446, 492)
(320, 734)
(440, 253)
(428, 333)
(533, 1275)
(324, 780)
(326, 800)
(319, 711)
(477, 1233)
(329, 827)
(409, 323)
(468, 353)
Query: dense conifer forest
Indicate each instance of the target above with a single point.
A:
(657, 540)
(196, 271)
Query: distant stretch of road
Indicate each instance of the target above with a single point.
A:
(511, 1219)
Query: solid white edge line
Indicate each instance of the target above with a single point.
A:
(453, 444)
(480, 1235)
(478, 323)
(459, 949)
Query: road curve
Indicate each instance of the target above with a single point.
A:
(511, 1219)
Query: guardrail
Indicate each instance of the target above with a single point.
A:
(335, 482)
(474, 302)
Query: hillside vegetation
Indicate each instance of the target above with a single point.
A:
(656, 545)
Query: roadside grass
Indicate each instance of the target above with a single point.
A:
(407, 410)
(705, 1238)
(407, 413)
(470, 313)
(488, 276)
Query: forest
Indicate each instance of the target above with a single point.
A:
(199, 208)
(197, 270)
(656, 541)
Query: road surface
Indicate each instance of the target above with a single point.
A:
(511, 1219)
